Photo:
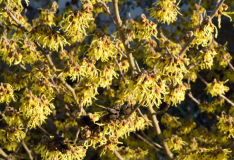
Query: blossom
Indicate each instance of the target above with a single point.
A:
(6, 93)
(171, 121)
(144, 29)
(166, 11)
(75, 23)
(35, 109)
(216, 88)
(203, 33)
(176, 94)
(175, 143)
(102, 48)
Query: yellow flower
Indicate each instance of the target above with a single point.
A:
(47, 37)
(226, 124)
(170, 121)
(148, 90)
(6, 93)
(203, 33)
(144, 29)
(106, 76)
(176, 94)
(75, 23)
(102, 48)
(175, 143)
(35, 109)
(166, 11)
(221, 12)
(217, 88)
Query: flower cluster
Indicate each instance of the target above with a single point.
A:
(206, 57)
(108, 132)
(166, 11)
(176, 94)
(10, 52)
(203, 33)
(13, 118)
(35, 109)
(216, 88)
(102, 48)
(211, 107)
(75, 23)
(175, 143)
(173, 67)
(148, 90)
(171, 121)
(213, 154)
(221, 12)
(6, 93)
(144, 29)
(86, 93)
(47, 37)
(47, 16)
(223, 56)
(106, 76)
(56, 148)
(226, 124)
(10, 137)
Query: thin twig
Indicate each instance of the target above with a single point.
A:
(156, 144)
(27, 150)
(121, 51)
(108, 12)
(77, 136)
(118, 155)
(132, 111)
(44, 130)
(3, 153)
(139, 111)
(159, 133)
(193, 98)
(120, 72)
(164, 110)
(146, 141)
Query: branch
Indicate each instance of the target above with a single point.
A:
(159, 133)
(120, 72)
(122, 36)
(27, 150)
(118, 155)
(139, 111)
(108, 12)
(164, 110)
(146, 141)
(193, 98)
(3, 153)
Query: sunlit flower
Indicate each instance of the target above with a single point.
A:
(217, 88)
(165, 11)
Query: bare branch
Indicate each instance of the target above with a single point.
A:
(146, 141)
(27, 150)
(139, 111)
(164, 110)
(3, 153)
(159, 133)
(118, 155)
